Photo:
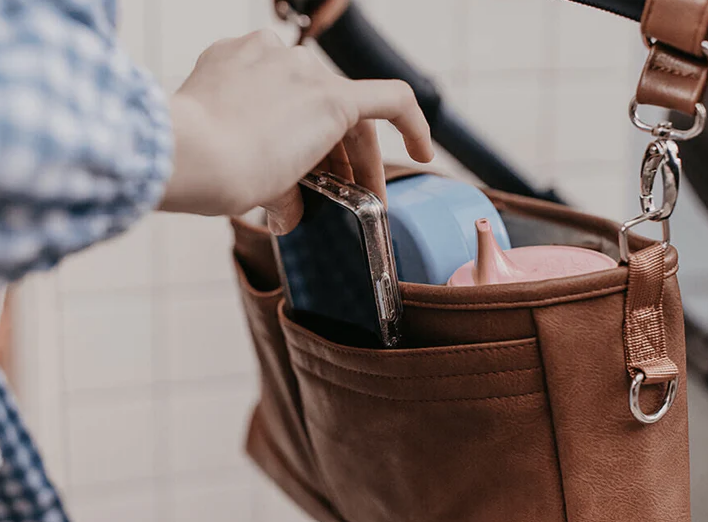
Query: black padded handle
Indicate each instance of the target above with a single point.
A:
(628, 8)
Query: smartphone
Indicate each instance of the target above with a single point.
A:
(337, 267)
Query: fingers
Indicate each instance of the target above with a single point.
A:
(285, 213)
(338, 162)
(362, 147)
(395, 101)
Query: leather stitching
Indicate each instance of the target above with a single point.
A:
(452, 351)
(398, 399)
(517, 304)
(673, 72)
(526, 304)
(413, 377)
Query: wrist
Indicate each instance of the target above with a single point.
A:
(198, 184)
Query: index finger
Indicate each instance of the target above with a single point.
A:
(394, 100)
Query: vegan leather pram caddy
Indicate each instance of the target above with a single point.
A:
(557, 400)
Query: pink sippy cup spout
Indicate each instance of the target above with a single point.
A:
(492, 266)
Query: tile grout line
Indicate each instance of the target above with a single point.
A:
(549, 78)
(62, 393)
(161, 510)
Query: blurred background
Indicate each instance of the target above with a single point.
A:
(133, 363)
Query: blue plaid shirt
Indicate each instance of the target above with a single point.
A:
(85, 150)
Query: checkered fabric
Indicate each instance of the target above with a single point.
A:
(85, 150)
(26, 494)
(85, 138)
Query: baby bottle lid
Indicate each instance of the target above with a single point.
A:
(534, 263)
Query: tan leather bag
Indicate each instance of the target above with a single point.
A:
(509, 402)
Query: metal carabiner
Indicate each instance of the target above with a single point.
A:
(661, 156)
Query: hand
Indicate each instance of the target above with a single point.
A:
(255, 116)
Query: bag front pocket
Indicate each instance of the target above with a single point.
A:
(441, 434)
(277, 439)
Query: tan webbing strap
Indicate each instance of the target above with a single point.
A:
(676, 71)
(644, 333)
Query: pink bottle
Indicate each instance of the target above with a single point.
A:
(534, 263)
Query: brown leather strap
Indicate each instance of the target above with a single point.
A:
(675, 74)
(682, 24)
(672, 79)
(644, 334)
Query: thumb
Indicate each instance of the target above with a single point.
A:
(285, 212)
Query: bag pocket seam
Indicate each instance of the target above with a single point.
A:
(424, 351)
(289, 326)
(396, 399)
(408, 377)
(516, 304)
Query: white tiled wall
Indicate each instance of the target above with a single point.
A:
(136, 371)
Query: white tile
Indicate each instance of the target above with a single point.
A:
(120, 263)
(37, 355)
(505, 112)
(591, 122)
(216, 500)
(392, 148)
(131, 28)
(506, 35)
(194, 249)
(429, 38)
(206, 428)
(578, 44)
(189, 27)
(110, 442)
(204, 337)
(107, 341)
(135, 505)
(598, 188)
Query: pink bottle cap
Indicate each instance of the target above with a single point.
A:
(534, 263)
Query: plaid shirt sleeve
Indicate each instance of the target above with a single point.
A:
(85, 137)
(85, 149)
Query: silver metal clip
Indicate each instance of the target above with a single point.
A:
(662, 157)
(665, 129)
